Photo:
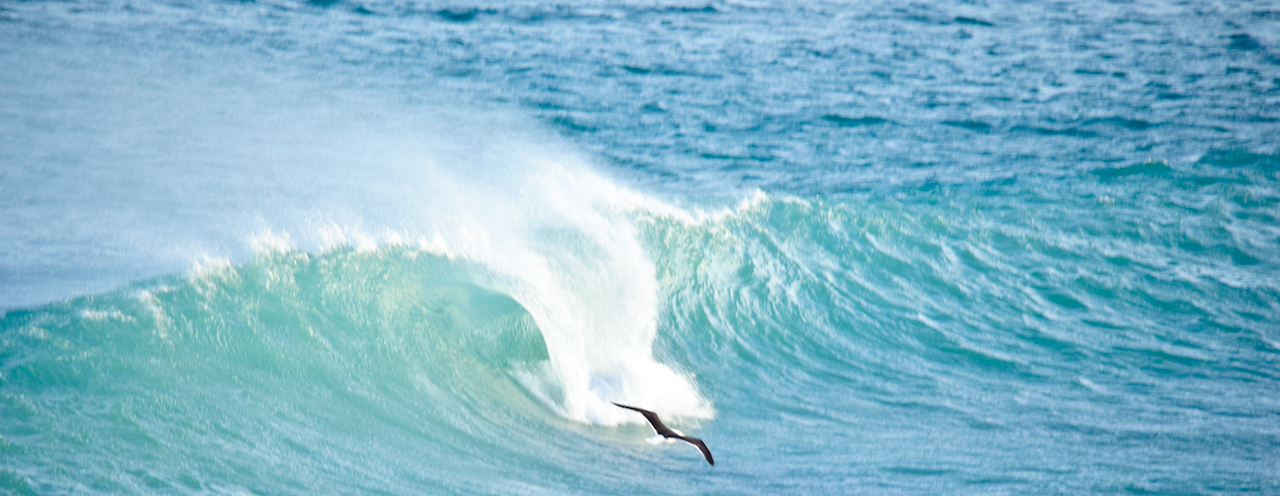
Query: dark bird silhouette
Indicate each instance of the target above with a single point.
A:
(669, 434)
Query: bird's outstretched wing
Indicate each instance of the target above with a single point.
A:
(701, 447)
(658, 426)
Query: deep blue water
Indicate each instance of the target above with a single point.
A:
(416, 247)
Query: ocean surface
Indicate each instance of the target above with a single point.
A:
(416, 247)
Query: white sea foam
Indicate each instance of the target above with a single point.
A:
(270, 241)
(650, 207)
(104, 315)
(207, 265)
(1090, 385)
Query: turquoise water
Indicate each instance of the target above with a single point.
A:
(409, 248)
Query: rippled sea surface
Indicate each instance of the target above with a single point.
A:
(274, 247)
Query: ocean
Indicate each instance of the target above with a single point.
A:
(418, 247)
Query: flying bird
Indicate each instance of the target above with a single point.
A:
(664, 433)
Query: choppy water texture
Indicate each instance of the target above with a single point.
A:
(414, 248)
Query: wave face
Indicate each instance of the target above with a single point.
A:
(287, 247)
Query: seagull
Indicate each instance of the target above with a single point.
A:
(664, 433)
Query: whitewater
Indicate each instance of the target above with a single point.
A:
(281, 247)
